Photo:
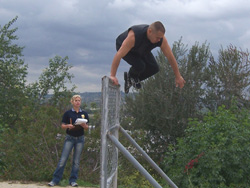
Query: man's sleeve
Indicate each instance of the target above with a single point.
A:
(65, 118)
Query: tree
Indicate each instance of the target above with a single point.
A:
(229, 77)
(13, 74)
(37, 139)
(53, 80)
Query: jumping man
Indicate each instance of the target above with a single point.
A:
(134, 46)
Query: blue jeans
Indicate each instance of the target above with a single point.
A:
(70, 142)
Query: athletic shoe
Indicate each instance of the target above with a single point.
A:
(51, 184)
(74, 184)
(127, 83)
(136, 83)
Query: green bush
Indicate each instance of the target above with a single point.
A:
(134, 180)
(214, 152)
(29, 155)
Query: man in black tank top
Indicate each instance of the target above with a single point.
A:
(134, 46)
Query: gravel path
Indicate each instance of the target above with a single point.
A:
(14, 184)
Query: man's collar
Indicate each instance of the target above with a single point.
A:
(80, 110)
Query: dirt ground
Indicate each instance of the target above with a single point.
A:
(12, 184)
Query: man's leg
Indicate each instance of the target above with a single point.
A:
(151, 67)
(137, 67)
(78, 147)
(68, 145)
(127, 83)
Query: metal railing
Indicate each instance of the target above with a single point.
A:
(136, 164)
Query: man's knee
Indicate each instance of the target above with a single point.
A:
(156, 69)
(135, 71)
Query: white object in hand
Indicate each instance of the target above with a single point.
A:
(79, 121)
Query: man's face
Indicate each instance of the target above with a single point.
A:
(77, 102)
(155, 36)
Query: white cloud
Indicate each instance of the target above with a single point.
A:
(83, 53)
(121, 4)
(195, 9)
(245, 40)
(86, 79)
(85, 72)
(88, 87)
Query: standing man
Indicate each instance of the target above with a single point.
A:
(74, 140)
(134, 46)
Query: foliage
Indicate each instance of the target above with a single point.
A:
(53, 80)
(214, 152)
(228, 77)
(12, 82)
(2, 142)
(12, 76)
(95, 115)
(134, 180)
(29, 149)
(54, 77)
(90, 170)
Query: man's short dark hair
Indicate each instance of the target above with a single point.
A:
(157, 26)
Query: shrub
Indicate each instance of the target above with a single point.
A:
(214, 152)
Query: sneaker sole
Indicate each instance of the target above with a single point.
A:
(125, 79)
(136, 85)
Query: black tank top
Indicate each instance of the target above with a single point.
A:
(142, 45)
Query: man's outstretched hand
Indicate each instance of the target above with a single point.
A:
(114, 80)
(179, 82)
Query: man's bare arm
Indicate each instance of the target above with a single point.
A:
(170, 56)
(126, 46)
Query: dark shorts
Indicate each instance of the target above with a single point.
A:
(141, 66)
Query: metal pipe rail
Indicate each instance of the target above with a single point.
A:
(133, 161)
(150, 161)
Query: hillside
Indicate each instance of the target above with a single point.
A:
(89, 97)
(96, 97)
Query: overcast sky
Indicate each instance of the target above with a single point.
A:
(85, 30)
